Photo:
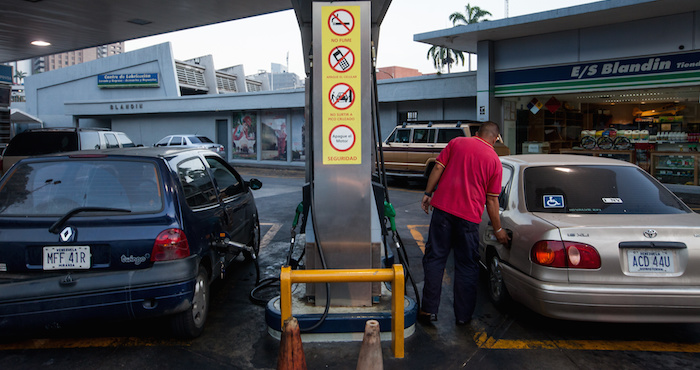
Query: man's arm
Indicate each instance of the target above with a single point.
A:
(493, 210)
(433, 180)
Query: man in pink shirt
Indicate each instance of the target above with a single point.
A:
(466, 177)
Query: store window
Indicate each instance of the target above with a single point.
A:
(298, 140)
(657, 129)
(274, 135)
(244, 135)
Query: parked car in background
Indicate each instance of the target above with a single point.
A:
(42, 141)
(411, 149)
(197, 141)
(121, 234)
(593, 239)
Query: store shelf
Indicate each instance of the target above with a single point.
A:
(560, 129)
(675, 167)
(623, 155)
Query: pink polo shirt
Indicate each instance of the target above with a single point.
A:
(472, 170)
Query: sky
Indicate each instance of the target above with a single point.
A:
(254, 43)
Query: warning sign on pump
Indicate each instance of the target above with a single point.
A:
(342, 138)
(342, 57)
(342, 96)
(341, 22)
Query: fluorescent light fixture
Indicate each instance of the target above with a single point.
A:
(40, 43)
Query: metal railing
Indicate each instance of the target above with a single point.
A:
(395, 275)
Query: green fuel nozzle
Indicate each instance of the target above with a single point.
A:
(300, 209)
(390, 212)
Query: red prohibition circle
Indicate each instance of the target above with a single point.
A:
(339, 59)
(354, 138)
(350, 96)
(338, 22)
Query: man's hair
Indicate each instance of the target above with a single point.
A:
(488, 128)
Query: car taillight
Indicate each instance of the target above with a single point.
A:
(170, 244)
(554, 253)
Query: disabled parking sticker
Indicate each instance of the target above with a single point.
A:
(553, 201)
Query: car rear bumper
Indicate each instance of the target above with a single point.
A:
(605, 303)
(165, 288)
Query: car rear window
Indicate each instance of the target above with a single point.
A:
(597, 190)
(38, 143)
(203, 139)
(54, 188)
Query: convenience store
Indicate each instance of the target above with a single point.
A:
(613, 78)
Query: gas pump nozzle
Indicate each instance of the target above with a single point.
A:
(225, 245)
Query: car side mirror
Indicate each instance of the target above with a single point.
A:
(254, 184)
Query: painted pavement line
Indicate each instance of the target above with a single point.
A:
(417, 235)
(484, 341)
(90, 343)
(270, 234)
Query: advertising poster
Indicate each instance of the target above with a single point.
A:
(274, 136)
(244, 135)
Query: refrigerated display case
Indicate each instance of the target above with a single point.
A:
(675, 167)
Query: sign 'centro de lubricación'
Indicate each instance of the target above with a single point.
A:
(128, 80)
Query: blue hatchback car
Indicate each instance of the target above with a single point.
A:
(120, 234)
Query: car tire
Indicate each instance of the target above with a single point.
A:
(254, 242)
(497, 288)
(189, 324)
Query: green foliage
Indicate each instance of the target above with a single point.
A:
(443, 56)
(473, 14)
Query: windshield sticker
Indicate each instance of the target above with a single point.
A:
(612, 200)
(553, 201)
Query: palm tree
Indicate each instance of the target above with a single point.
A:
(19, 75)
(443, 56)
(473, 14)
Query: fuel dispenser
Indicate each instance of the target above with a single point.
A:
(346, 228)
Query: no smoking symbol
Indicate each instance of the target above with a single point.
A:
(341, 22)
(341, 59)
(341, 96)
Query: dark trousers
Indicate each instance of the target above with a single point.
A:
(451, 232)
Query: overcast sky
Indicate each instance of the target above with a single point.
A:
(258, 41)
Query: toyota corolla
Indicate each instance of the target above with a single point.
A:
(593, 239)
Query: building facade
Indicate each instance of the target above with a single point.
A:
(70, 58)
(148, 94)
(617, 78)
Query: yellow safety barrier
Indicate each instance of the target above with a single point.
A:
(394, 275)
